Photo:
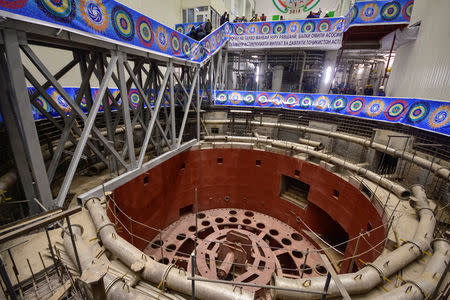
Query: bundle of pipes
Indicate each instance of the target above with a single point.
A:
(397, 189)
(384, 266)
(439, 170)
(113, 286)
(166, 275)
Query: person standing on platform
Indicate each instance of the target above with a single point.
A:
(223, 18)
(381, 92)
(208, 27)
(263, 18)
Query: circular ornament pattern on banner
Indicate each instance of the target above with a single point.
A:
(294, 27)
(407, 10)
(369, 12)
(186, 47)
(440, 117)
(59, 10)
(43, 103)
(338, 25)
(162, 38)
(418, 112)
(195, 51)
(60, 101)
(353, 13)
(189, 28)
(262, 99)
(145, 31)
(375, 108)
(213, 42)
(180, 29)
(224, 35)
(396, 110)
(222, 98)
(265, 28)
(324, 26)
(235, 98)
(123, 23)
(390, 11)
(218, 37)
(279, 28)
(249, 99)
(322, 102)
(94, 14)
(306, 102)
(13, 4)
(339, 103)
(239, 29)
(175, 43)
(308, 26)
(356, 105)
(228, 29)
(134, 98)
(277, 99)
(207, 45)
(291, 101)
(252, 29)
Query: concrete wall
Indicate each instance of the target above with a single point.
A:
(422, 68)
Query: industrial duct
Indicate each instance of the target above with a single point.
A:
(397, 189)
(436, 168)
(373, 273)
(153, 271)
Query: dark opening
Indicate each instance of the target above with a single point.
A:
(369, 227)
(366, 191)
(187, 210)
(215, 130)
(220, 160)
(183, 166)
(297, 173)
(146, 179)
(336, 194)
(258, 163)
(294, 190)
(387, 164)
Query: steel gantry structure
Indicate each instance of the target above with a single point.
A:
(168, 88)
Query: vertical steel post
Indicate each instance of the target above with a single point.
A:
(172, 106)
(350, 267)
(327, 285)
(7, 281)
(77, 258)
(193, 275)
(199, 106)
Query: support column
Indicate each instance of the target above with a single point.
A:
(329, 68)
(19, 120)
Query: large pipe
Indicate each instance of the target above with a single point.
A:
(436, 168)
(114, 286)
(153, 271)
(373, 273)
(6, 181)
(397, 189)
(426, 284)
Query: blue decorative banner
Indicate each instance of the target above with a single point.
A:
(424, 114)
(104, 19)
(379, 12)
(185, 28)
(309, 33)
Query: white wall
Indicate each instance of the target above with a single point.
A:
(422, 68)
(268, 8)
(166, 12)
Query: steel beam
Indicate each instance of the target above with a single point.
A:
(186, 112)
(124, 178)
(20, 104)
(86, 131)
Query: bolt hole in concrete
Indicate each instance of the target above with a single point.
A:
(321, 270)
(206, 223)
(181, 236)
(157, 244)
(297, 254)
(191, 228)
(247, 221)
(219, 220)
(233, 212)
(296, 236)
(260, 225)
(171, 248)
(249, 214)
(201, 215)
(306, 268)
(286, 242)
(273, 232)
(233, 220)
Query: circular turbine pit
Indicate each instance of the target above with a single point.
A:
(237, 245)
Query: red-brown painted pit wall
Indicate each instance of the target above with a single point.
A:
(248, 186)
